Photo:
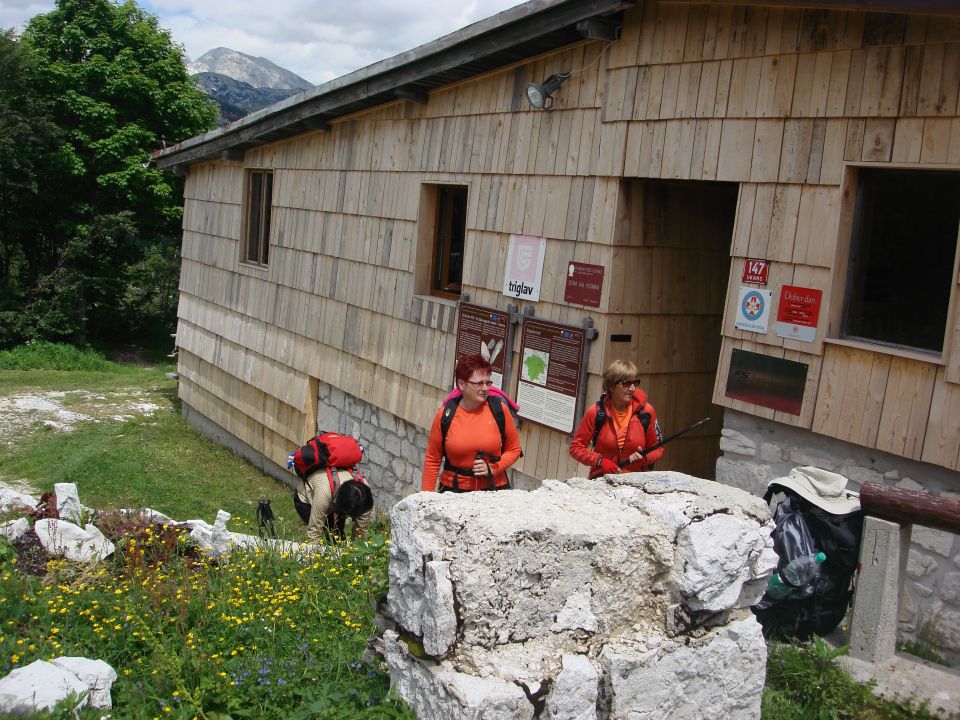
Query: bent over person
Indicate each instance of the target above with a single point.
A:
(325, 501)
(473, 439)
(616, 430)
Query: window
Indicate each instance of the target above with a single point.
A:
(902, 257)
(450, 230)
(259, 203)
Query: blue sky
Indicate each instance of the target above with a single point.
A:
(317, 40)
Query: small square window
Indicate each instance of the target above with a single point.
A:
(259, 206)
(904, 243)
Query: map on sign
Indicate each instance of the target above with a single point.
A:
(534, 367)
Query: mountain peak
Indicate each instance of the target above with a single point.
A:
(259, 72)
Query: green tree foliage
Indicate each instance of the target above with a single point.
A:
(94, 257)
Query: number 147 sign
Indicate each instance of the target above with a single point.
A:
(755, 271)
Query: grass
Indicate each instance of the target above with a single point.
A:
(262, 634)
(804, 683)
(154, 460)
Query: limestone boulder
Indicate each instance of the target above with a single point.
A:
(12, 529)
(39, 686)
(79, 544)
(578, 589)
(15, 501)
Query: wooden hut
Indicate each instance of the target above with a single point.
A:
(771, 189)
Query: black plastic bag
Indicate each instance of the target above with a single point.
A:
(804, 529)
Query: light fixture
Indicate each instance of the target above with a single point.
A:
(540, 95)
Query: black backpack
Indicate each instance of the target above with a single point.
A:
(496, 407)
(800, 523)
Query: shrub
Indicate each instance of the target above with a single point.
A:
(42, 355)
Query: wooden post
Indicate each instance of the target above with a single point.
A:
(910, 507)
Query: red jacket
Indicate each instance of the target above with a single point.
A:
(606, 446)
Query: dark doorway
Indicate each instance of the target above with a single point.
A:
(680, 235)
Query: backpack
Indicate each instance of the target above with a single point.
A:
(326, 449)
(643, 413)
(496, 407)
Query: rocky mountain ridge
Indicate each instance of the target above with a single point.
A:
(258, 72)
(241, 84)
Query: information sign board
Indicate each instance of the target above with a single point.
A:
(551, 371)
(485, 331)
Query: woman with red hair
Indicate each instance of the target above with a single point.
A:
(473, 453)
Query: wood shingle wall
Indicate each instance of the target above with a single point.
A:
(776, 100)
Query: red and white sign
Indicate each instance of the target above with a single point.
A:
(798, 313)
(755, 271)
(584, 284)
(521, 278)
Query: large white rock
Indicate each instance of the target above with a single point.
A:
(15, 501)
(95, 674)
(39, 686)
(12, 529)
(64, 539)
(68, 502)
(623, 575)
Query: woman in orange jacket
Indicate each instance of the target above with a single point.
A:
(474, 455)
(627, 426)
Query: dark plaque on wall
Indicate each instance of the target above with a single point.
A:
(768, 381)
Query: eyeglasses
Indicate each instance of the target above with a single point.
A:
(481, 383)
(628, 383)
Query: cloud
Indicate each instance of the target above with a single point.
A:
(317, 40)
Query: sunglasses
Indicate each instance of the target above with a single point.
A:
(481, 383)
(628, 383)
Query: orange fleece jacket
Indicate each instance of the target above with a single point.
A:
(469, 432)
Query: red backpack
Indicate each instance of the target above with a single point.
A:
(326, 450)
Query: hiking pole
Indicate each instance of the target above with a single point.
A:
(657, 446)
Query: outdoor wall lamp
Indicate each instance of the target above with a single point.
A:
(540, 95)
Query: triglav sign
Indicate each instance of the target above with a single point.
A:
(521, 278)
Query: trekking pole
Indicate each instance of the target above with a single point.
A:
(657, 446)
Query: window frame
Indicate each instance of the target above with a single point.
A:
(843, 269)
(257, 217)
(443, 207)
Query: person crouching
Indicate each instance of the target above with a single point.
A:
(325, 500)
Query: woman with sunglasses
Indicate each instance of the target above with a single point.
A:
(473, 455)
(615, 431)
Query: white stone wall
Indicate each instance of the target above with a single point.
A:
(756, 451)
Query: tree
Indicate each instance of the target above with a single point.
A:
(114, 85)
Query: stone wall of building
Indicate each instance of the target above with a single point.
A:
(756, 451)
(394, 448)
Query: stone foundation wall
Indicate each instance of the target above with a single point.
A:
(756, 451)
(394, 448)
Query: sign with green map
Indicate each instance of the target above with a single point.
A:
(551, 371)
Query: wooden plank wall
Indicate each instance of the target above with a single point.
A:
(774, 99)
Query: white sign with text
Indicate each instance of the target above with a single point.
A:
(521, 277)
